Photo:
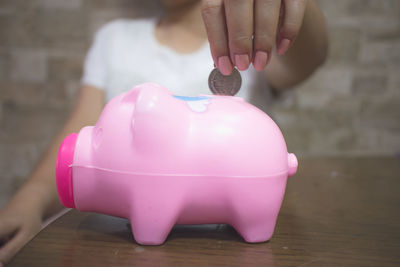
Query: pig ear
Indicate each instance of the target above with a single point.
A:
(131, 96)
(152, 97)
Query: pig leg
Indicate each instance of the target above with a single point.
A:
(255, 228)
(254, 210)
(152, 219)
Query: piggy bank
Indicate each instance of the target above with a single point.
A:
(160, 159)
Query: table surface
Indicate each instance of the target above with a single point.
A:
(336, 212)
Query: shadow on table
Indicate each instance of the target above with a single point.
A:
(185, 245)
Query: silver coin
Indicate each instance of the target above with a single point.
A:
(220, 84)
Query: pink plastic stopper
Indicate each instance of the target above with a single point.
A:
(64, 170)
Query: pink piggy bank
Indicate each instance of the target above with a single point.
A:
(159, 159)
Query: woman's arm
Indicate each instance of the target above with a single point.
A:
(37, 199)
(308, 51)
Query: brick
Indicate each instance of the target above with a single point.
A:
(65, 68)
(22, 124)
(3, 66)
(284, 118)
(135, 6)
(367, 142)
(56, 94)
(105, 11)
(9, 166)
(369, 83)
(355, 8)
(15, 30)
(6, 190)
(28, 65)
(371, 28)
(310, 133)
(100, 17)
(298, 141)
(7, 11)
(23, 94)
(60, 33)
(334, 9)
(390, 142)
(380, 113)
(377, 142)
(380, 28)
(373, 7)
(39, 28)
(344, 45)
(394, 83)
(65, 53)
(58, 4)
(326, 84)
(381, 53)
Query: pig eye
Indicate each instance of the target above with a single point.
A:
(97, 136)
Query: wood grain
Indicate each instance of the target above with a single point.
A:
(336, 212)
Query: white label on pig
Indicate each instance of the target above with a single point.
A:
(195, 103)
(198, 106)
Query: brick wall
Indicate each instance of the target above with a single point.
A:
(350, 106)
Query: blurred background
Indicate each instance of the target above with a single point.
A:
(351, 106)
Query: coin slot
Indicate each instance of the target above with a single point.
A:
(191, 98)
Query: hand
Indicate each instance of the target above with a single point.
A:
(17, 226)
(242, 32)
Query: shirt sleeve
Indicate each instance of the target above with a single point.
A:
(95, 66)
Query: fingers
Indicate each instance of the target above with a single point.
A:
(245, 31)
(12, 246)
(15, 232)
(293, 17)
(229, 26)
(266, 13)
(239, 20)
(213, 14)
(7, 229)
(7, 233)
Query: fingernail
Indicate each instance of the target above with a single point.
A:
(260, 60)
(225, 65)
(242, 61)
(283, 46)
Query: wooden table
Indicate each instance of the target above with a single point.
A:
(336, 212)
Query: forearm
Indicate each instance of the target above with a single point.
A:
(308, 51)
(39, 193)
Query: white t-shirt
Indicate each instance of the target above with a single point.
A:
(126, 53)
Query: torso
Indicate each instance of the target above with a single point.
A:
(136, 56)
